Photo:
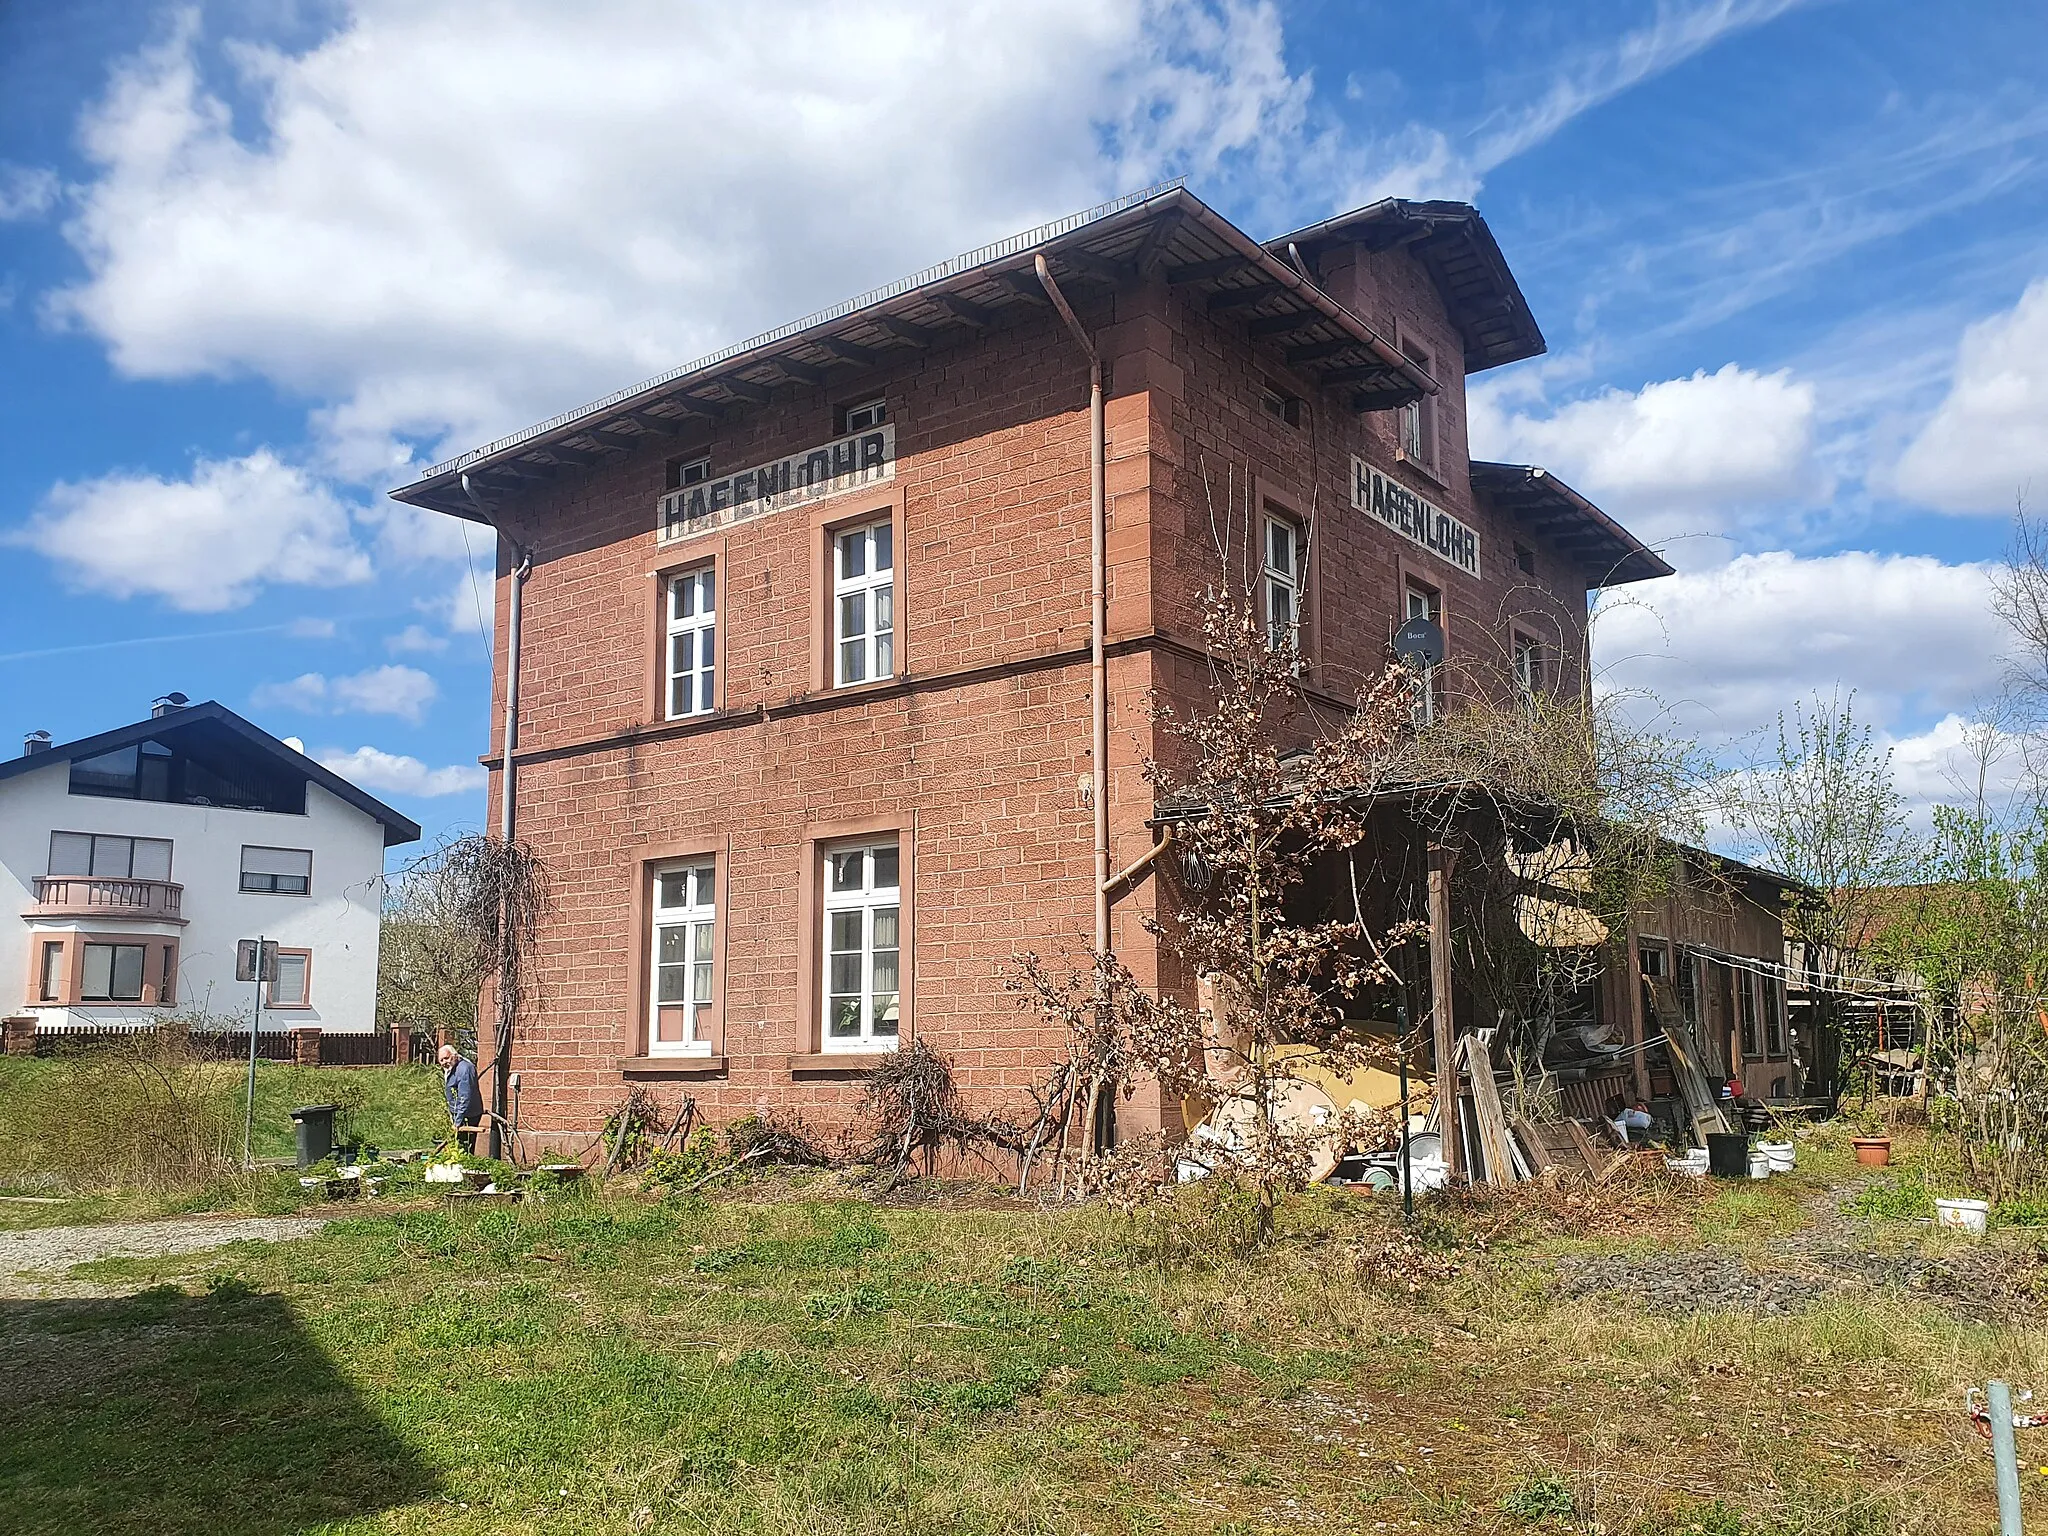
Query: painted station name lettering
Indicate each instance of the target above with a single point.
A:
(847, 464)
(1418, 521)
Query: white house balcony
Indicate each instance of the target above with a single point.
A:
(160, 901)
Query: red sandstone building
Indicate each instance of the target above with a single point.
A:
(805, 728)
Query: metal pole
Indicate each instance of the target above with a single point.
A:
(255, 1028)
(1407, 1152)
(2005, 1455)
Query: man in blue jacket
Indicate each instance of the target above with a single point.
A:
(465, 1103)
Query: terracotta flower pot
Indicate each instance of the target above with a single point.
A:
(1873, 1151)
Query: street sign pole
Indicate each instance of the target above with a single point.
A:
(255, 1029)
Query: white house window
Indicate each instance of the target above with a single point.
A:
(51, 983)
(110, 858)
(692, 643)
(685, 926)
(1418, 418)
(277, 871)
(863, 947)
(112, 973)
(1422, 603)
(291, 987)
(1283, 586)
(864, 605)
(862, 417)
(1528, 665)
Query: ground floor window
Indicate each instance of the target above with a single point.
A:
(685, 928)
(112, 973)
(50, 978)
(1774, 1016)
(1745, 1004)
(863, 947)
(292, 985)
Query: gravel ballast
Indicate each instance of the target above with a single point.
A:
(52, 1250)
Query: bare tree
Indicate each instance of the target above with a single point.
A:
(1822, 807)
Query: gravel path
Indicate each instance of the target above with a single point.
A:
(44, 1250)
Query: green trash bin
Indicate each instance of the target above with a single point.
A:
(313, 1124)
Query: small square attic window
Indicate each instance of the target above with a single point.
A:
(864, 417)
(1280, 405)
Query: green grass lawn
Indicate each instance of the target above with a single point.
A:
(388, 1107)
(796, 1359)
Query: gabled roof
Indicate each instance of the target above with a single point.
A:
(1551, 509)
(1165, 230)
(1453, 243)
(397, 828)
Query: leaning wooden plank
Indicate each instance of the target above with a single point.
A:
(1692, 1082)
(1533, 1144)
(1493, 1125)
(1592, 1157)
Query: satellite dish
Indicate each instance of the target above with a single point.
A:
(1420, 642)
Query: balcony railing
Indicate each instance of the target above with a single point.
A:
(93, 896)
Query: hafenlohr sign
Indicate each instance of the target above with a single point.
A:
(845, 464)
(1420, 522)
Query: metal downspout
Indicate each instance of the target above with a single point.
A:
(522, 568)
(1098, 516)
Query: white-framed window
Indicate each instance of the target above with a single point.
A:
(292, 986)
(863, 948)
(1418, 416)
(682, 472)
(863, 604)
(112, 973)
(866, 415)
(277, 871)
(1283, 575)
(685, 937)
(1423, 603)
(110, 858)
(1528, 657)
(692, 642)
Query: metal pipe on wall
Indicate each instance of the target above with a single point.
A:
(522, 567)
(1098, 518)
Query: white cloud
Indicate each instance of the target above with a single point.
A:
(202, 544)
(1728, 648)
(467, 605)
(1956, 760)
(414, 638)
(1678, 456)
(26, 192)
(1987, 442)
(388, 690)
(408, 536)
(445, 229)
(391, 773)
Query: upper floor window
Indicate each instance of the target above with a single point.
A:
(1418, 416)
(110, 858)
(1280, 405)
(1745, 1006)
(1528, 665)
(862, 417)
(1283, 581)
(1424, 603)
(1654, 959)
(863, 947)
(685, 932)
(277, 871)
(198, 767)
(863, 604)
(1774, 1015)
(692, 643)
(688, 471)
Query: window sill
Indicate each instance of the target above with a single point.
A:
(673, 1066)
(840, 1061)
(1426, 470)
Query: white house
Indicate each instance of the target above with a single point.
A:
(138, 857)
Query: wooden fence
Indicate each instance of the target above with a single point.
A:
(383, 1048)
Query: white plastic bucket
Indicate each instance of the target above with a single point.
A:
(1759, 1166)
(1962, 1215)
(1686, 1166)
(1781, 1154)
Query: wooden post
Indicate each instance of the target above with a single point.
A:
(1637, 1024)
(1441, 862)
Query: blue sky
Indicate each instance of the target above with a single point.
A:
(260, 261)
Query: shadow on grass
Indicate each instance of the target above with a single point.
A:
(172, 1413)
